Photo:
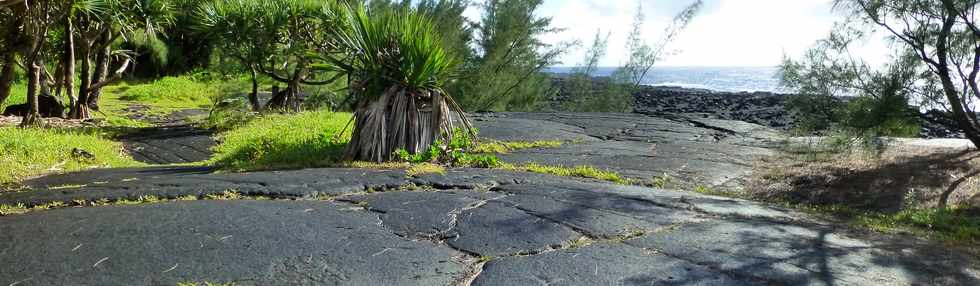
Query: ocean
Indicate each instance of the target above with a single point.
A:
(732, 79)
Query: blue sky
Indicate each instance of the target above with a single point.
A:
(725, 33)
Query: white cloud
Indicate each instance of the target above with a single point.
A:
(725, 33)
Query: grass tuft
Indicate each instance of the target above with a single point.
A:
(577, 171)
(504, 147)
(425, 168)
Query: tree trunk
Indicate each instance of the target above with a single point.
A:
(292, 99)
(7, 76)
(33, 115)
(80, 109)
(254, 96)
(101, 74)
(69, 65)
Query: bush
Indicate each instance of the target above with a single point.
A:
(306, 139)
(31, 152)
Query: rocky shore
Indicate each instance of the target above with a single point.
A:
(763, 108)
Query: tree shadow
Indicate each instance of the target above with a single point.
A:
(899, 183)
(757, 250)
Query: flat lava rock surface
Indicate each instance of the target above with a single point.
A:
(465, 227)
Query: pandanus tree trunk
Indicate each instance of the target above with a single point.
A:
(80, 110)
(6, 75)
(33, 115)
(402, 119)
(68, 72)
(253, 97)
(101, 75)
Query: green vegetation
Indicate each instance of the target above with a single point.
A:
(425, 168)
(307, 139)
(31, 152)
(931, 66)
(615, 94)
(504, 147)
(227, 195)
(577, 171)
(168, 92)
(661, 181)
(958, 225)
(205, 284)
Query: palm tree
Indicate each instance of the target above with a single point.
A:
(397, 68)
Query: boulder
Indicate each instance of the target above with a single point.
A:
(50, 106)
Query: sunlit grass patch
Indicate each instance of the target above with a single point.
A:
(425, 168)
(204, 284)
(30, 152)
(18, 95)
(168, 92)
(956, 224)
(577, 171)
(307, 139)
(504, 147)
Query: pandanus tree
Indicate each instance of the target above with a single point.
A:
(276, 39)
(9, 36)
(397, 67)
(32, 20)
(99, 30)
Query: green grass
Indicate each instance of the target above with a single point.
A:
(18, 95)
(31, 152)
(307, 139)
(169, 92)
(959, 225)
(504, 147)
(577, 171)
(228, 195)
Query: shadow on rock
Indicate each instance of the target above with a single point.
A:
(898, 182)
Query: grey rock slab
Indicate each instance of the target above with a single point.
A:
(495, 229)
(602, 217)
(116, 184)
(599, 264)
(653, 204)
(693, 151)
(417, 214)
(501, 127)
(470, 178)
(246, 242)
(791, 254)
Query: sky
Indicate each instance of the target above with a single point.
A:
(725, 32)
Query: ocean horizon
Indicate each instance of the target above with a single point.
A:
(729, 79)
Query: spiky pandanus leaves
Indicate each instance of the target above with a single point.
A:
(397, 67)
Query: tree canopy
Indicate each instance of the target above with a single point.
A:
(934, 64)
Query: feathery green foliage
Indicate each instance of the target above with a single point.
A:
(837, 92)
(506, 70)
(615, 94)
